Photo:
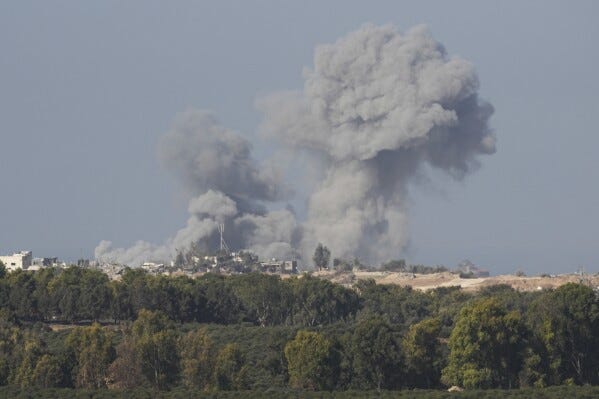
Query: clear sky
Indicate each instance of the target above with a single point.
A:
(88, 88)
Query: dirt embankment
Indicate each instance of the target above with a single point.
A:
(430, 281)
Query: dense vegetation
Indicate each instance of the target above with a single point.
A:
(284, 336)
(560, 392)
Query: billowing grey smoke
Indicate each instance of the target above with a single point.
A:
(376, 106)
(201, 225)
(207, 156)
(229, 187)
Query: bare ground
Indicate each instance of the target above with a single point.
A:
(429, 281)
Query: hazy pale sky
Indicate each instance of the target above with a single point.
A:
(88, 88)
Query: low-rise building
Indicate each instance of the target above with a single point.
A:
(154, 268)
(279, 266)
(20, 260)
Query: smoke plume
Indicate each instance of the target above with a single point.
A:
(376, 106)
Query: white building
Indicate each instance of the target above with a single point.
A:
(279, 266)
(152, 267)
(21, 260)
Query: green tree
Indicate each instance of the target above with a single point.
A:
(11, 341)
(264, 297)
(41, 294)
(485, 346)
(197, 359)
(322, 256)
(96, 295)
(566, 323)
(48, 372)
(65, 291)
(27, 358)
(228, 369)
(310, 361)
(125, 371)
(317, 301)
(120, 305)
(376, 355)
(137, 290)
(156, 343)
(21, 298)
(422, 350)
(222, 305)
(93, 350)
(399, 305)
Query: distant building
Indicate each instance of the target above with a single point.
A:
(153, 268)
(20, 260)
(44, 262)
(279, 266)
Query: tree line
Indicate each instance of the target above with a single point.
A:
(257, 332)
(77, 294)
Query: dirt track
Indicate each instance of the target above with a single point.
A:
(429, 281)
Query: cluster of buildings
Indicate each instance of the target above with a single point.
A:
(229, 263)
(24, 260)
(18, 260)
(233, 263)
(275, 266)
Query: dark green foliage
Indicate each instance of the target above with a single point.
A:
(375, 355)
(311, 361)
(229, 371)
(486, 347)
(266, 298)
(204, 336)
(75, 294)
(93, 351)
(21, 298)
(565, 324)
(197, 359)
(399, 305)
(423, 354)
(560, 392)
(155, 342)
(316, 301)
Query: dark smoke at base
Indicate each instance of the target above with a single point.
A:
(375, 108)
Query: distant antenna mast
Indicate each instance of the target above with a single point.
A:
(223, 244)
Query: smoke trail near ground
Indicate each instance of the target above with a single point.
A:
(376, 106)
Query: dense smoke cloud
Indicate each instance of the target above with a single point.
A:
(230, 187)
(376, 106)
(205, 155)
